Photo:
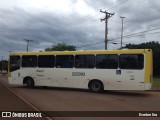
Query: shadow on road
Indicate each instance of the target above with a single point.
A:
(128, 93)
(107, 92)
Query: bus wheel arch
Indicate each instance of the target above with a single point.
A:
(29, 82)
(96, 85)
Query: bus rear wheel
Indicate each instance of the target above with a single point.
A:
(96, 86)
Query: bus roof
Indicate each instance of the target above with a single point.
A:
(129, 51)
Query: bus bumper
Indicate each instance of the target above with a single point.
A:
(147, 86)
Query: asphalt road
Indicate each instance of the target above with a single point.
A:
(62, 99)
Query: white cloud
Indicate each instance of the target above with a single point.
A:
(82, 8)
(9, 4)
(74, 22)
(57, 6)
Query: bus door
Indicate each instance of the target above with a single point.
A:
(14, 70)
(45, 71)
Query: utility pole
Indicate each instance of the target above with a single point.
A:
(28, 43)
(107, 16)
(122, 31)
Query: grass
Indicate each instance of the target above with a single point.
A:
(156, 83)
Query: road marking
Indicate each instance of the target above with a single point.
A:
(27, 102)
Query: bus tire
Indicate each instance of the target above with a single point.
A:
(96, 86)
(29, 82)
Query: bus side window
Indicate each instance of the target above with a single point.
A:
(64, 61)
(29, 61)
(14, 63)
(84, 61)
(107, 61)
(131, 61)
(46, 61)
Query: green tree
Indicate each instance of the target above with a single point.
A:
(148, 45)
(61, 47)
(4, 65)
(155, 46)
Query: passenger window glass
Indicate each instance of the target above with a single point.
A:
(64, 61)
(46, 61)
(29, 61)
(107, 61)
(134, 61)
(84, 61)
(14, 63)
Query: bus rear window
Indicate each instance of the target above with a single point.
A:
(14, 63)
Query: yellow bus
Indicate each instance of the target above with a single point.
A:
(96, 70)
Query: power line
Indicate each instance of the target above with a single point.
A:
(88, 17)
(90, 44)
(143, 31)
(133, 6)
(126, 36)
(84, 19)
(117, 5)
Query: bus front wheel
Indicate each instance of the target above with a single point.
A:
(29, 82)
(96, 86)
